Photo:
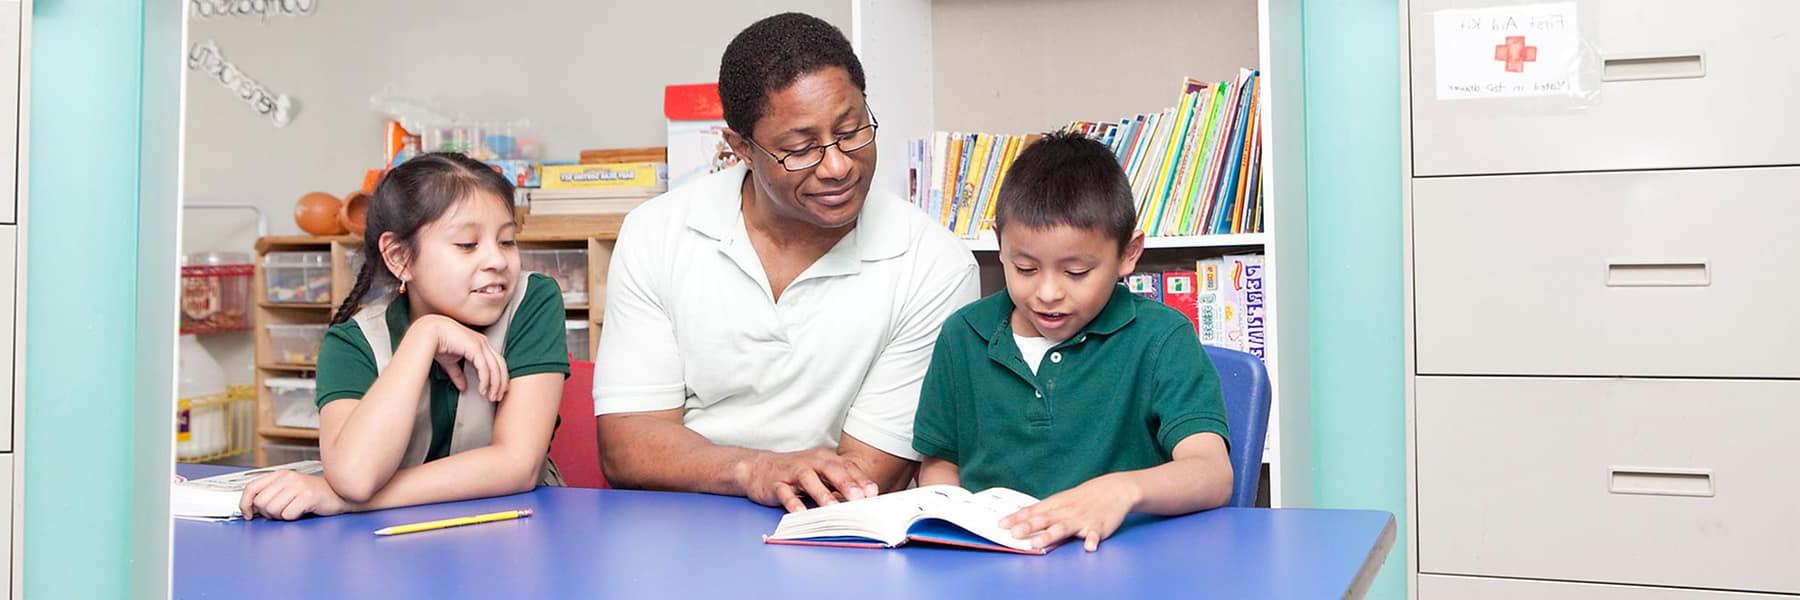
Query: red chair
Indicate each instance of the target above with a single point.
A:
(575, 448)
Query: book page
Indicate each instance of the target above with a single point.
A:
(981, 513)
(883, 518)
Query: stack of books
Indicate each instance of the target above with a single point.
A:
(597, 189)
(1195, 168)
(1223, 297)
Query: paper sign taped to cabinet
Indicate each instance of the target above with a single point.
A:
(1512, 51)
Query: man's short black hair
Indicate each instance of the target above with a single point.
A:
(771, 54)
(1068, 179)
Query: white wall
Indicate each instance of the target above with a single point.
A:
(587, 74)
(1055, 61)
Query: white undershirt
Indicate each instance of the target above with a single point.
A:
(1033, 349)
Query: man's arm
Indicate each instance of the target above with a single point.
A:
(889, 472)
(654, 450)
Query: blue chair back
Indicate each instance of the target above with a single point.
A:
(1245, 383)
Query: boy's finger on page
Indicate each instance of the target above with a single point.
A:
(784, 493)
(1049, 536)
(1090, 539)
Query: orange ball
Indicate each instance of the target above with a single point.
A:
(317, 214)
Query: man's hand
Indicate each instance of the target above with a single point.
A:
(1090, 511)
(779, 479)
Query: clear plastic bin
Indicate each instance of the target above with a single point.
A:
(296, 344)
(578, 339)
(298, 277)
(215, 292)
(353, 258)
(294, 401)
(568, 266)
(281, 454)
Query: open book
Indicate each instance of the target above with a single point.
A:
(216, 498)
(938, 514)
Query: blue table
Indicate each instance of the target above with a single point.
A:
(583, 543)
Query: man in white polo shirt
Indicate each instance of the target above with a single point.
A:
(767, 327)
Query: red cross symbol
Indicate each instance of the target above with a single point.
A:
(1515, 53)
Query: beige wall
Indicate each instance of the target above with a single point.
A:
(1050, 47)
(587, 74)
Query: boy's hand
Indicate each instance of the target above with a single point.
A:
(288, 495)
(1091, 511)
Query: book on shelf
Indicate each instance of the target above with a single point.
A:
(1194, 168)
(1223, 297)
(1147, 285)
(936, 514)
(588, 201)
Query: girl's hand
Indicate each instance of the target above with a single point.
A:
(287, 495)
(457, 343)
(1091, 511)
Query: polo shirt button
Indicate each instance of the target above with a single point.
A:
(1056, 357)
(1040, 394)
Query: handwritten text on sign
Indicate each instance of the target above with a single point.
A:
(1508, 52)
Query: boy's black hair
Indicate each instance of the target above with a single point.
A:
(769, 55)
(1067, 179)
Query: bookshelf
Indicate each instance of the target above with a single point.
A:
(1004, 66)
(595, 235)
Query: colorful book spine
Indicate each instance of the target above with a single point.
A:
(984, 213)
(1256, 332)
(956, 156)
(1228, 184)
(1148, 285)
(1165, 173)
(1209, 138)
(940, 146)
(1180, 291)
(1209, 301)
(970, 185)
(989, 176)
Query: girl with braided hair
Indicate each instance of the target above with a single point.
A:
(447, 388)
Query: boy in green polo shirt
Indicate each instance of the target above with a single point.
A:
(1067, 385)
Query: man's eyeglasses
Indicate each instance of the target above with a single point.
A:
(811, 156)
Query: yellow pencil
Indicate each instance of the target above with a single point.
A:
(458, 521)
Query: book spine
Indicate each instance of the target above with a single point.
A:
(971, 184)
(952, 175)
(1147, 285)
(1180, 292)
(1165, 173)
(1256, 335)
(1210, 301)
(940, 145)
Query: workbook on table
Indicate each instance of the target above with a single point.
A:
(216, 498)
(938, 514)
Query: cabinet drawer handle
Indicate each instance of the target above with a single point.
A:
(1657, 273)
(1661, 482)
(1639, 68)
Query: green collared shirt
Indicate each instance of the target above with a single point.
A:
(1116, 397)
(536, 342)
